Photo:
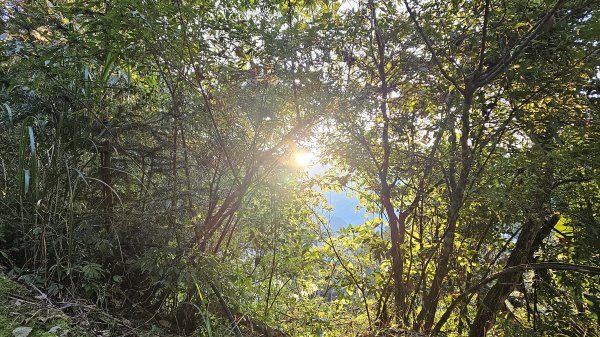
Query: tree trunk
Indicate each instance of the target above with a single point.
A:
(426, 316)
(534, 231)
(529, 241)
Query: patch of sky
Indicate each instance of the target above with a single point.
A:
(345, 206)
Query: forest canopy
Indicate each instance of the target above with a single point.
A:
(169, 162)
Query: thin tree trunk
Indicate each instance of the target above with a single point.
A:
(425, 319)
(106, 177)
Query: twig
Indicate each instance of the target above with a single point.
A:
(42, 296)
(430, 47)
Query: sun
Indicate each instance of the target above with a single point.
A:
(305, 158)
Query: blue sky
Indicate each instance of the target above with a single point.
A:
(344, 205)
(344, 210)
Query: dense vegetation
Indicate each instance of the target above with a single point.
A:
(148, 163)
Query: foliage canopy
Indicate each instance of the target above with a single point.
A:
(148, 147)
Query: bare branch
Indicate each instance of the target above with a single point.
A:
(486, 17)
(509, 57)
(431, 49)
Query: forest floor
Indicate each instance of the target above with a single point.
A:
(27, 312)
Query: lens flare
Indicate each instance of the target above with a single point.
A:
(304, 158)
